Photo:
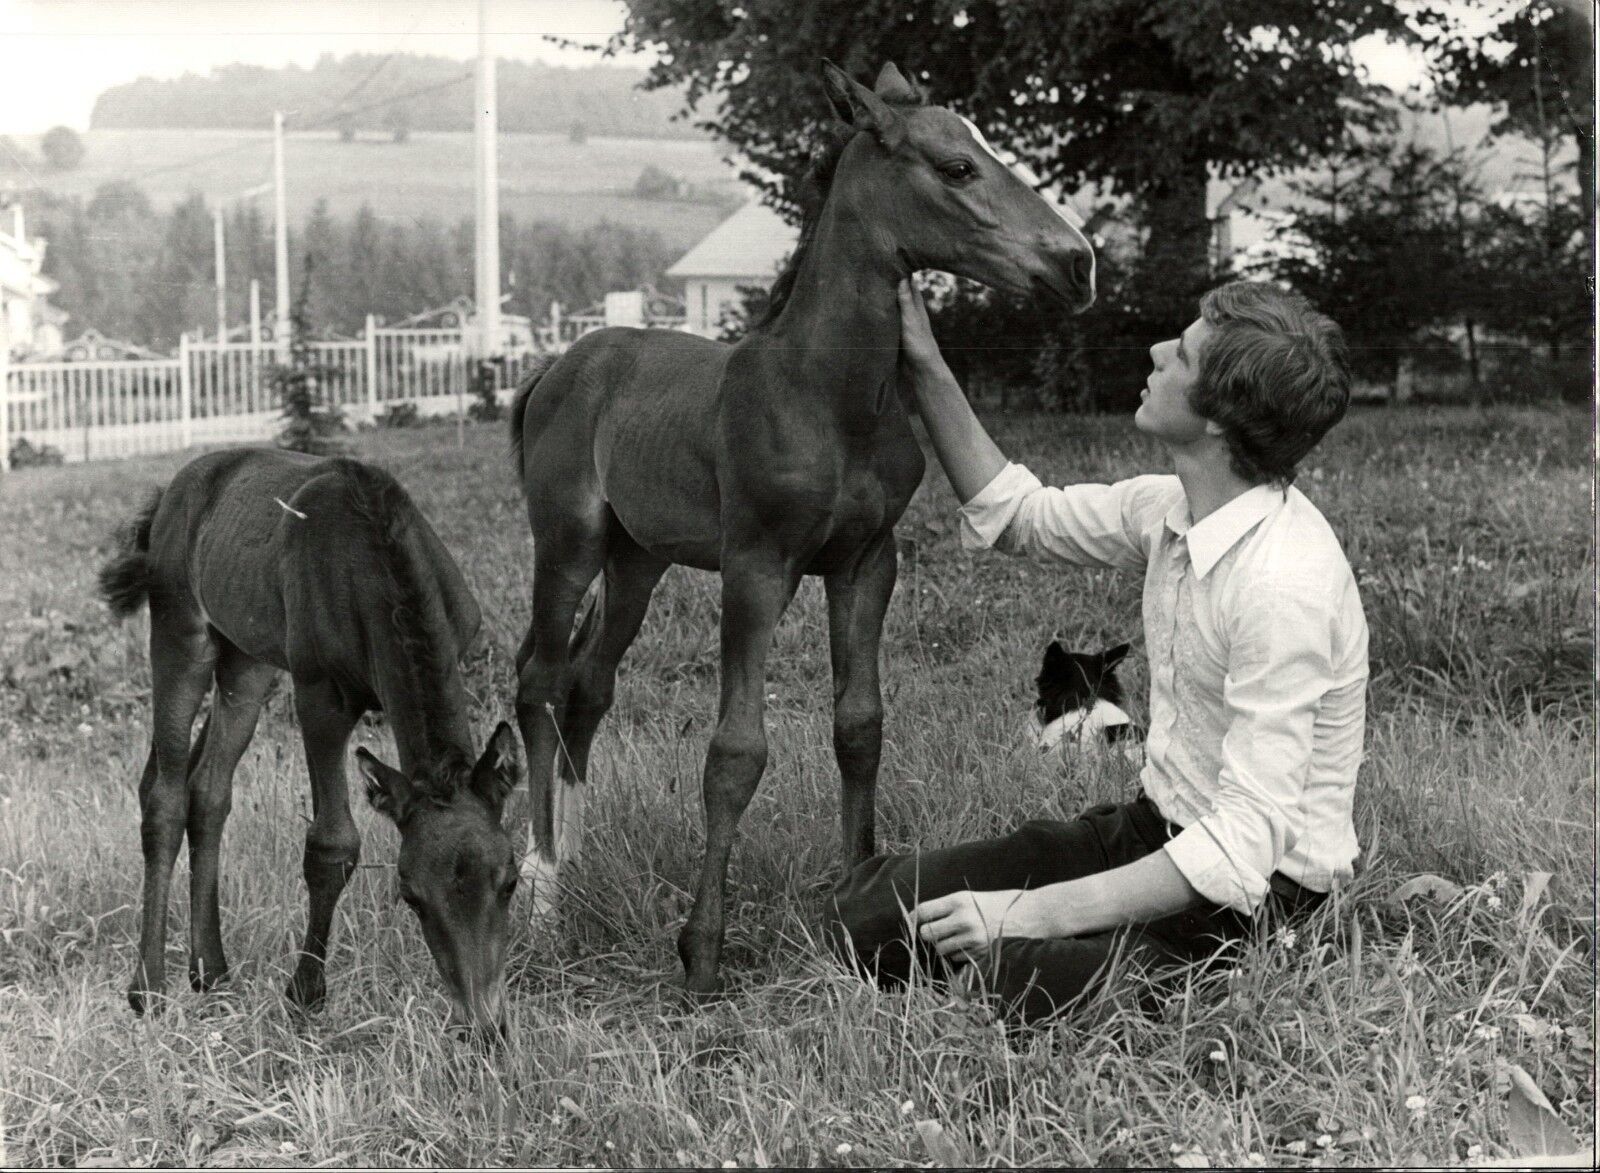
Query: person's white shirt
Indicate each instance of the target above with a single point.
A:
(1257, 647)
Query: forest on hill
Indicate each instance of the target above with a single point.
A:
(398, 92)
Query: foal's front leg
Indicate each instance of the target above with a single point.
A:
(753, 600)
(333, 845)
(857, 600)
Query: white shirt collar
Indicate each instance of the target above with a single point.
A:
(1215, 534)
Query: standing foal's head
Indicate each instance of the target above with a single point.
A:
(929, 178)
(457, 868)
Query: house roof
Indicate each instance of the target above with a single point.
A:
(751, 243)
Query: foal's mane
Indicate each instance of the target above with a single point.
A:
(417, 619)
(812, 197)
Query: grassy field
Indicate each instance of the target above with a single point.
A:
(541, 176)
(1382, 1035)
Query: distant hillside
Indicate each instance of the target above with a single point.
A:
(365, 92)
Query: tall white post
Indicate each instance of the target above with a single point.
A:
(221, 265)
(185, 392)
(255, 312)
(487, 292)
(280, 331)
(5, 393)
(372, 369)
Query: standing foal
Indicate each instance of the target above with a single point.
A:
(258, 561)
(788, 454)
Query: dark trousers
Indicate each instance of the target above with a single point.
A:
(1033, 978)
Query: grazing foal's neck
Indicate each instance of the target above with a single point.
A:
(414, 670)
(842, 320)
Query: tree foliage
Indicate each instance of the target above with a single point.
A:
(62, 148)
(311, 422)
(1535, 65)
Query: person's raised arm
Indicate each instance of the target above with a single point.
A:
(970, 458)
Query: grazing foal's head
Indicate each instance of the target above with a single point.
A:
(457, 868)
(928, 177)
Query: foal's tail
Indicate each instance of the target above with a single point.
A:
(125, 580)
(519, 404)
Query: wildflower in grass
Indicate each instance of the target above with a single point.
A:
(1286, 938)
(1474, 1151)
(1297, 1147)
(1493, 902)
(1417, 1105)
(1485, 1032)
(1324, 1141)
(288, 1147)
(844, 1149)
(1219, 1056)
(1122, 1136)
(907, 1107)
(85, 728)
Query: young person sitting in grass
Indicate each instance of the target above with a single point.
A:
(1257, 648)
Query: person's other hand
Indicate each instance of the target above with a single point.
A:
(964, 924)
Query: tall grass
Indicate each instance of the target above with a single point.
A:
(1372, 1038)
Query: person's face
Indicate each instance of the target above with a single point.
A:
(1164, 412)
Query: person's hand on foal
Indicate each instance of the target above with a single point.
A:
(963, 925)
(917, 346)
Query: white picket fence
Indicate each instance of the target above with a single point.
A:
(217, 392)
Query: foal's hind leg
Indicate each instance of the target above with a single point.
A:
(181, 659)
(333, 845)
(631, 576)
(857, 601)
(242, 684)
(567, 555)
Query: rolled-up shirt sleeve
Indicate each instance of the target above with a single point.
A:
(1280, 666)
(1098, 526)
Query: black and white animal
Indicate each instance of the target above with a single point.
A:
(1079, 704)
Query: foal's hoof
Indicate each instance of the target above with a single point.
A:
(140, 999)
(307, 993)
(203, 979)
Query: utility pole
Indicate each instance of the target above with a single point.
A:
(280, 332)
(487, 291)
(222, 275)
(255, 312)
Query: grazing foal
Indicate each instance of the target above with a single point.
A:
(258, 561)
(788, 454)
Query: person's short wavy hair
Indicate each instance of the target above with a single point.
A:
(1275, 374)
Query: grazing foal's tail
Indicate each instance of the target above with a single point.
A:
(125, 580)
(519, 404)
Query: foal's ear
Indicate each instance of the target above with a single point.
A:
(496, 773)
(1111, 657)
(1055, 657)
(861, 108)
(388, 790)
(892, 86)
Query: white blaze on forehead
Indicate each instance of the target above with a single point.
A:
(1023, 172)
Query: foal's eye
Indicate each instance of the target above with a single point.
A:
(508, 887)
(958, 170)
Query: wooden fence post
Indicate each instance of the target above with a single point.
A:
(372, 369)
(185, 392)
(5, 395)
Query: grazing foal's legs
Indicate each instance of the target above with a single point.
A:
(857, 600)
(333, 845)
(241, 686)
(753, 600)
(181, 659)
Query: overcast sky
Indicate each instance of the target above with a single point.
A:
(56, 56)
